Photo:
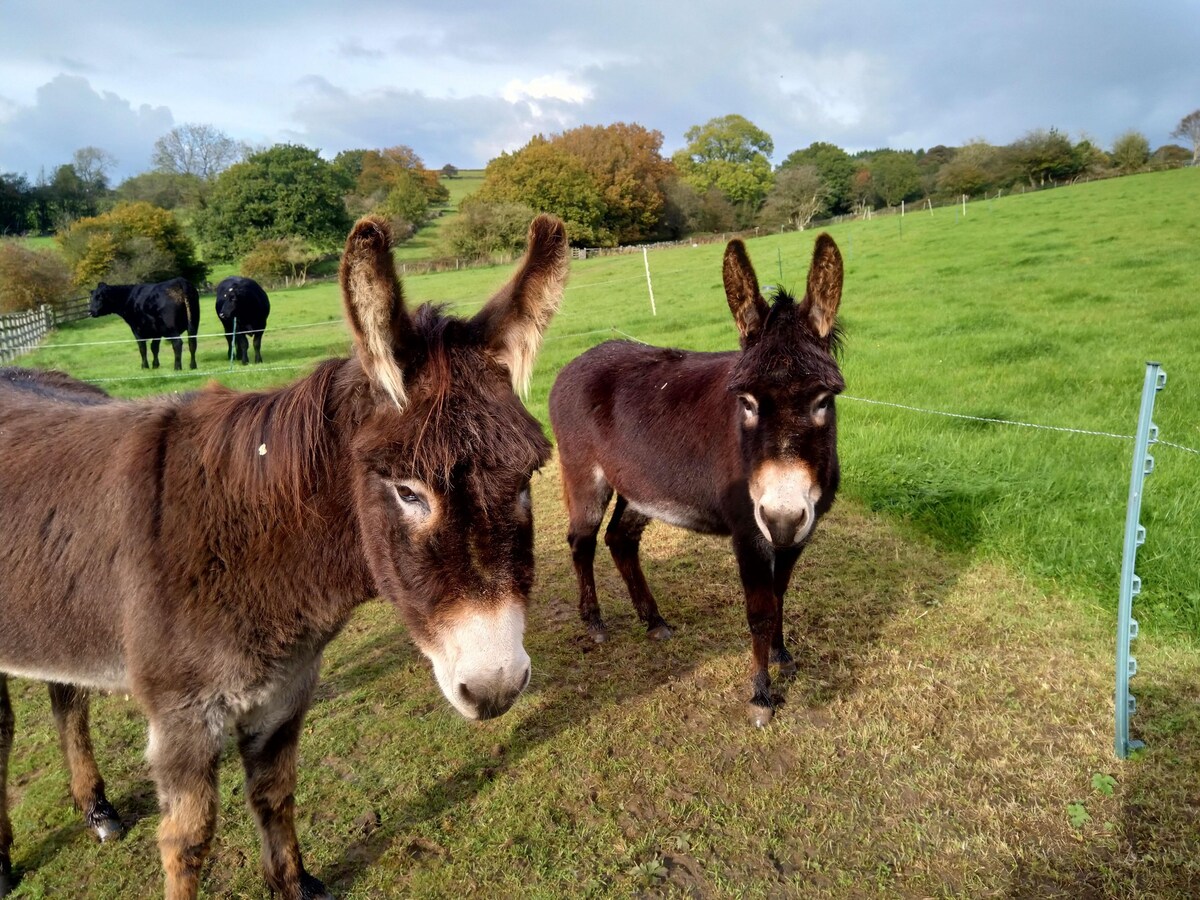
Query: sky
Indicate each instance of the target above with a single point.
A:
(461, 82)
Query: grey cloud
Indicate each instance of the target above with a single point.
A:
(69, 114)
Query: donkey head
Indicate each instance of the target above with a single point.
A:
(443, 458)
(785, 380)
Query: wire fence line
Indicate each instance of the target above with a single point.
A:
(613, 330)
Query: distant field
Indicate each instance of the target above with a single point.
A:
(950, 731)
(427, 243)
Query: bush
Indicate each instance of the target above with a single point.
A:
(135, 242)
(280, 261)
(29, 278)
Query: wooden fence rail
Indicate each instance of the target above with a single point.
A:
(21, 332)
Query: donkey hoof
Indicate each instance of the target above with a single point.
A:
(660, 632)
(787, 669)
(761, 716)
(312, 889)
(104, 820)
(108, 830)
(6, 883)
(598, 633)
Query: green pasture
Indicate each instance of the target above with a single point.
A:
(950, 731)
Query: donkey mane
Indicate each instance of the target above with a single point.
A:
(275, 447)
(783, 303)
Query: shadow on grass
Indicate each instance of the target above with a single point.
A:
(854, 578)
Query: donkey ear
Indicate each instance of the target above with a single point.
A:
(517, 316)
(374, 303)
(741, 290)
(824, 292)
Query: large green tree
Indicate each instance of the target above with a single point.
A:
(284, 191)
(895, 176)
(799, 195)
(835, 168)
(731, 154)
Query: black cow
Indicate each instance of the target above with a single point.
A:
(243, 307)
(166, 309)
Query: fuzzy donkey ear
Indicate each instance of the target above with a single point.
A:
(741, 290)
(515, 319)
(824, 293)
(374, 303)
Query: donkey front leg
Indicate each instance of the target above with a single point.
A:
(70, 707)
(268, 738)
(185, 746)
(624, 538)
(258, 346)
(6, 835)
(785, 562)
(154, 344)
(762, 615)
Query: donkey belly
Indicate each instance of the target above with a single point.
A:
(683, 515)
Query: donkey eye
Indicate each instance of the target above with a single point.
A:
(408, 495)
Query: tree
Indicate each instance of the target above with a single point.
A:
(548, 178)
(449, 171)
(1189, 129)
(1040, 156)
(835, 168)
(134, 242)
(284, 191)
(1131, 151)
(168, 190)
(895, 175)
(626, 164)
(482, 228)
(393, 183)
(729, 153)
(799, 195)
(199, 150)
(973, 169)
(681, 209)
(16, 201)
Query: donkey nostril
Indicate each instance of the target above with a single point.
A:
(465, 692)
(525, 680)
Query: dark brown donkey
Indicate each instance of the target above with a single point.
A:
(200, 551)
(742, 443)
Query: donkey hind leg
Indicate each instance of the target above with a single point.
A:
(785, 562)
(154, 344)
(6, 835)
(192, 350)
(624, 538)
(70, 706)
(268, 738)
(177, 348)
(258, 346)
(585, 509)
(184, 749)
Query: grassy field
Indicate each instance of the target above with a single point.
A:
(950, 731)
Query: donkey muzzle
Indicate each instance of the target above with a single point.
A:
(784, 497)
(482, 666)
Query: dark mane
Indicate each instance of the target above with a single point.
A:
(783, 303)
